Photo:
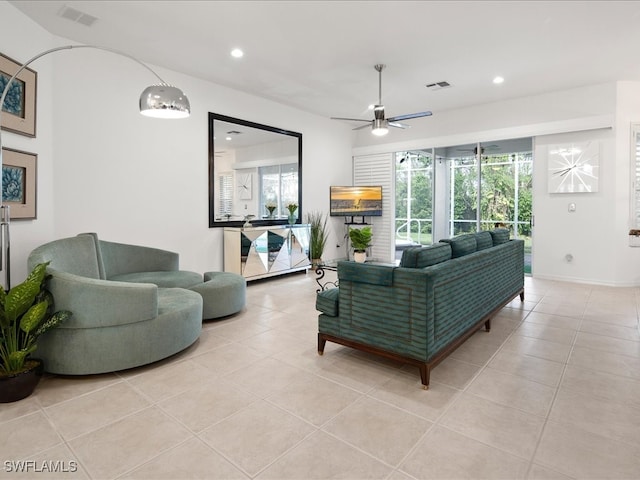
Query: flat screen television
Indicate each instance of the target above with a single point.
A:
(355, 201)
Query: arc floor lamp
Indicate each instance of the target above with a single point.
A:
(160, 101)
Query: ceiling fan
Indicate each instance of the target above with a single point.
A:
(379, 124)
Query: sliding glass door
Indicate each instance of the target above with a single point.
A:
(467, 188)
(414, 198)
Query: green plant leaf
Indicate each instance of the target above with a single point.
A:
(55, 320)
(16, 359)
(21, 297)
(32, 318)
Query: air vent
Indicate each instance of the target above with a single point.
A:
(77, 16)
(438, 85)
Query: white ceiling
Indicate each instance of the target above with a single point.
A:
(319, 55)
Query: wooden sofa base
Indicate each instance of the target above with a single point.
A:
(425, 367)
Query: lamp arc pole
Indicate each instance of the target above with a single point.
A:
(160, 101)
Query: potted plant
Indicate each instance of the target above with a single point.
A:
(319, 236)
(26, 312)
(271, 207)
(360, 241)
(292, 207)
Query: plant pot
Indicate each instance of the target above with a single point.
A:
(21, 385)
(360, 257)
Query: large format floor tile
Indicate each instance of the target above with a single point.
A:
(552, 392)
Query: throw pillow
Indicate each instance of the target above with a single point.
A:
(462, 244)
(484, 240)
(500, 235)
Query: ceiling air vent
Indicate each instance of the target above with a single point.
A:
(438, 85)
(77, 16)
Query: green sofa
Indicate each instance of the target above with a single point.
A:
(422, 310)
(131, 304)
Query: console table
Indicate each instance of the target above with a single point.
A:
(265, 251)
(332, 266)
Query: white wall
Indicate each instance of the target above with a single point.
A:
(131, 178)
(144, 181)
(21, 39)
(588, 234)
(627, 263)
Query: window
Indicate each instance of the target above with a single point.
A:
(414, 198)
(225, 196)
(279, 187)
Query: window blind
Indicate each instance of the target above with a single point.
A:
(636, 174)
(369, 170)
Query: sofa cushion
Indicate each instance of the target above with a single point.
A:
(365, 273)
(76, 255)
(484, 240)
(420, 257)
(500, 235)
(327, 302)
(462, 244)
(170, 279)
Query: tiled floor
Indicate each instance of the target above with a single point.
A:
(552, 392)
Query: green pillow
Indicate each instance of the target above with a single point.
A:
(365, 273)
(500, 235)
(484, 240)
(462, 244)
(421, 257)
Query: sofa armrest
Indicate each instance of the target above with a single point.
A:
(395, 318)
(101, 303)
(121, 258)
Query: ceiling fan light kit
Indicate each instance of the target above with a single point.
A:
(380, 125)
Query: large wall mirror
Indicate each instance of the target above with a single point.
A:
(255, 171)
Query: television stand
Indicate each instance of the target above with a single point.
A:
(352, 222)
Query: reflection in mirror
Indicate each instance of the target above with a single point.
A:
(255, 172)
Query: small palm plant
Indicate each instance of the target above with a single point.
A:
(319, 234)
(25, 314)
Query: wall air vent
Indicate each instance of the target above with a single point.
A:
(77, 16)
(438, 85)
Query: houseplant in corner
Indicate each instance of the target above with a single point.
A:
(319, 236)
(360, 241)
(26, 312)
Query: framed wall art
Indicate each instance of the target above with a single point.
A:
(19, 183)
(19, 109)
(574, 168)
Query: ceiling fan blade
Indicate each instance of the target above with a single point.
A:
(398, 125)
(410, 115)
(350, 119)
(363, 126)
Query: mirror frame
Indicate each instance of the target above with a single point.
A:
(246, 123)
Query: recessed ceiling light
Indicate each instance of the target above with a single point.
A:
(237, 53)
(498, 80)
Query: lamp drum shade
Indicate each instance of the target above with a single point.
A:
(164, 101)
